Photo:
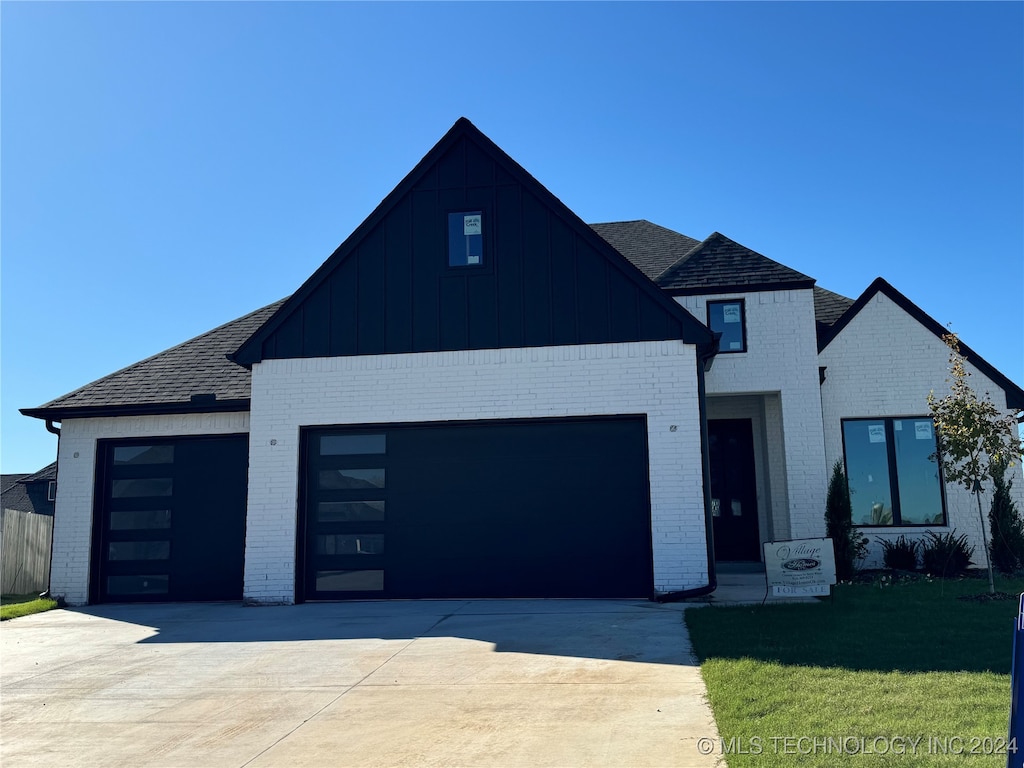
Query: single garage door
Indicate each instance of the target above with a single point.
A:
(171, 523)
(539, 508)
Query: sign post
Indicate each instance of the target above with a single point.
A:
(800, 567)
(1016, 684)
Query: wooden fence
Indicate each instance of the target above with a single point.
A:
(24, 552)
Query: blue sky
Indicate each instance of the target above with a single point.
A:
(167, 167)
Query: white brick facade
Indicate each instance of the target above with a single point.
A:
(76, 459)
(657, 379)
(884, 363)
(781, 366)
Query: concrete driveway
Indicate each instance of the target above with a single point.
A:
(417, 683)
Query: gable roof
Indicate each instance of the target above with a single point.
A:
(722, 265)
(828, 307)
(650, 247)
(25, 493)
(47, 473)
(167, 381)
(1014, 394)
(289, 333)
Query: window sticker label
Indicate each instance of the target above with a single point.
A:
(876, 433)
(922, 430)
(730, 313)
(735, 345)
(471, 225)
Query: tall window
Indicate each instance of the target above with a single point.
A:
(465, 238)
(728, 318)
(893, 473)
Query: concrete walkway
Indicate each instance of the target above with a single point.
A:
(419, 683)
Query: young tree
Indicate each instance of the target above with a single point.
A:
(1006, 527)
(849, 545)
(974, 438)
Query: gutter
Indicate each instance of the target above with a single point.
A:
(52, 429)
(704, 359)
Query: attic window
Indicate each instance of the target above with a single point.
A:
(729, 319)
(465, 239)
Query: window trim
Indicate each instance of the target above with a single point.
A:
(894, 481)
(486, 251)
(743, 322)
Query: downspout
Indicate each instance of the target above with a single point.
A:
(704, 359)
(49, 574)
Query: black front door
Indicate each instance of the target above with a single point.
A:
(733, 492)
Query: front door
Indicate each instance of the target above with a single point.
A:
(733, 492)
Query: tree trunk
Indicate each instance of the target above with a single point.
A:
(984, 540)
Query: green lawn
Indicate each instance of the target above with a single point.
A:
(874, 669)
(13, 606)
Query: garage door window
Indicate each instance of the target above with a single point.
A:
(346, 495)
(171, 519)
(343, 511)
(352, 479)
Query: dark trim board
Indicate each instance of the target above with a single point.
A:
(549, 507)
(1014, 394)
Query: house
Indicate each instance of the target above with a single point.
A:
(30, 493)
(479, 395)
(26, 525)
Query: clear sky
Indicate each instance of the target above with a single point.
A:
(167, 167)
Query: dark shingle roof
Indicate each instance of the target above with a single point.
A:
(722, 265)
(651, 248)
(15, 496)
(28, 493)
(6, 481)
(165, 382)
(829, 306)
(49, 472)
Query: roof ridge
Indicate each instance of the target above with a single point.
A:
(881, 285)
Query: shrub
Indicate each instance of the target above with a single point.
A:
(850, 546)
(946, 555)
(901, 553)
(1006, 528)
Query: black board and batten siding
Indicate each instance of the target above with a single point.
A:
(545, 278)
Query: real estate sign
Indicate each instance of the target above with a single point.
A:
(800, 567)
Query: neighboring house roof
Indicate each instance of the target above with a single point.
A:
(193, 377)
(651, 248)
(47, 473)
(1014, 394)
(28, 493)
(722, 265)
(6, 481)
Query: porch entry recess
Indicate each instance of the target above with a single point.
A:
(530, 508)
(733, 489)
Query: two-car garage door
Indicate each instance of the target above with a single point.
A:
(534, 508)
(539, 508)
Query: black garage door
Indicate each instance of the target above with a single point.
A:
(540, 508)
(171, 521)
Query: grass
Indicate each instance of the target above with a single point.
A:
(886, 663)
(13, 606)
